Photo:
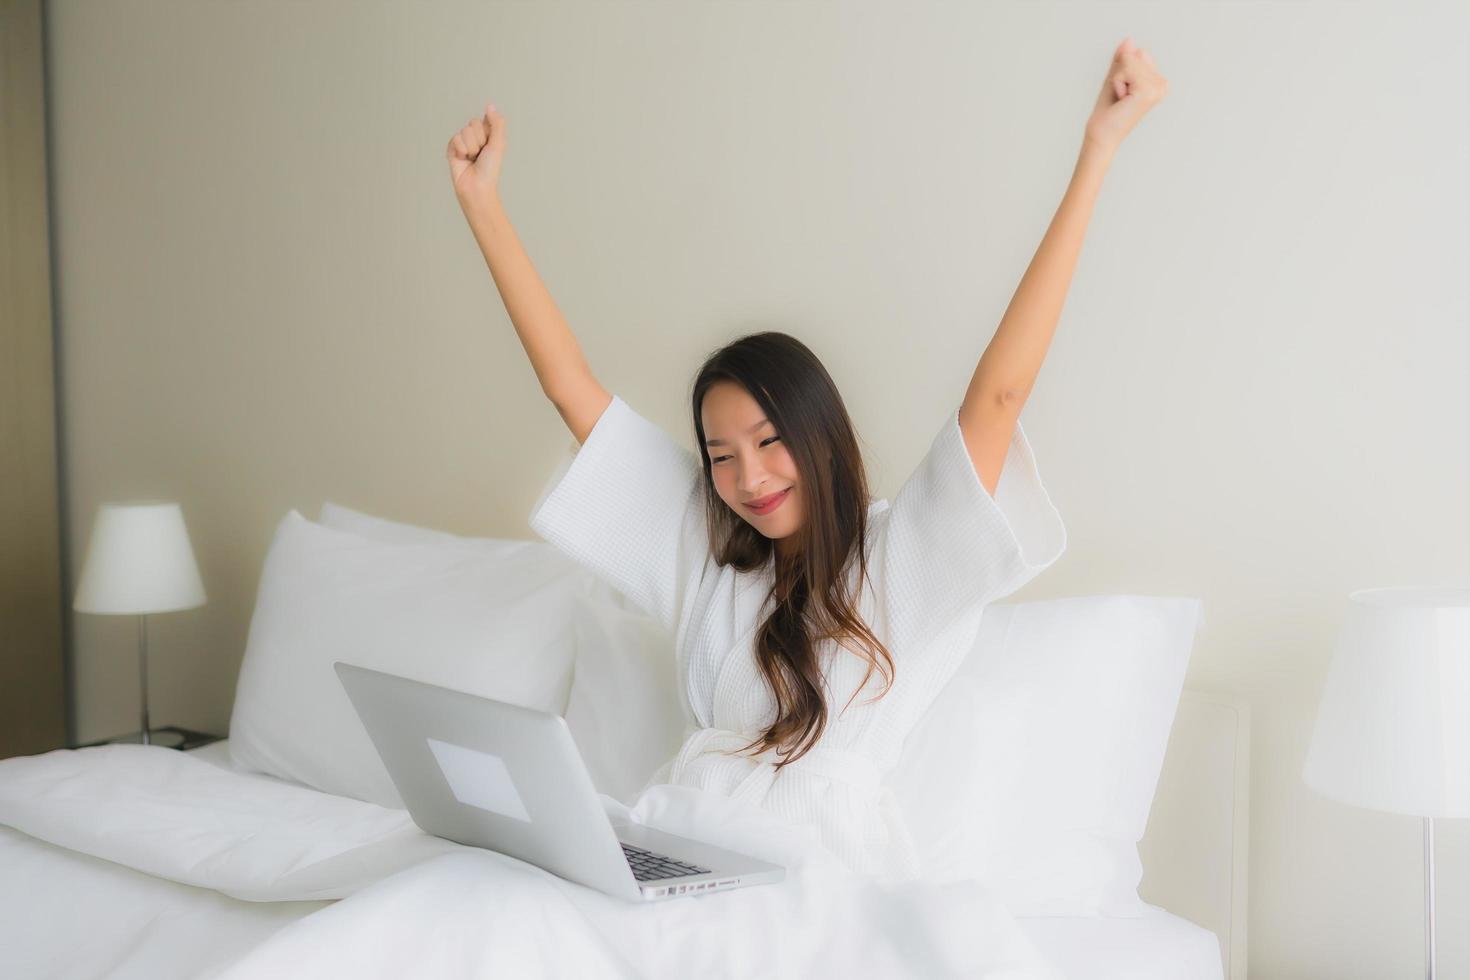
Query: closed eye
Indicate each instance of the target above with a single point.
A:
(772, 439)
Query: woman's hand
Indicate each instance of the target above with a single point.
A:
(1132, 88)
(474, 156)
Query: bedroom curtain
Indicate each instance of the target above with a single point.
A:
(33, 683)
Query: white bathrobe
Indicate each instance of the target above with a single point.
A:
(630, 508)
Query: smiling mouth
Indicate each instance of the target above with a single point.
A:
(766, 503)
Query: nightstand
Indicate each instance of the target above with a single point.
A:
(169, 737)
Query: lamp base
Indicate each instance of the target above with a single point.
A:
(168, 737)
(156, 736)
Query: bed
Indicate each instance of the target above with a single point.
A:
(165, 883)
(81, 916)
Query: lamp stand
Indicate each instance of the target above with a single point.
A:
(1429, 896)
(168, 736)
(143, 670)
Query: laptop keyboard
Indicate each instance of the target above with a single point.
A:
(650, 866)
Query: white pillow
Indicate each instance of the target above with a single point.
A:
(623, 708)
(1035, 768)
(395, 532)
(392, 532)
(498, 624)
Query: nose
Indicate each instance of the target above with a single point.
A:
(750, 478)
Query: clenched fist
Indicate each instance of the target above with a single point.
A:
(474, 157)
(1132, 88)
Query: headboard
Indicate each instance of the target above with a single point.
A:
(1195, 849)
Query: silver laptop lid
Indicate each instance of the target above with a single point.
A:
(491, 774)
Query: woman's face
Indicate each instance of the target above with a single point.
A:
(749, 461)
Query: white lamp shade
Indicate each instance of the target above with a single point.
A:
(139, 561)
(1393, 726)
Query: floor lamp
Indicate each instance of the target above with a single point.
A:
(1393, 726)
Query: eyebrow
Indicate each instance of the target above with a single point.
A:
(721, 442)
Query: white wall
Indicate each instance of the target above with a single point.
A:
(1257, 393)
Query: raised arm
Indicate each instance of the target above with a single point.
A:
(1007, 370)
(475, 154)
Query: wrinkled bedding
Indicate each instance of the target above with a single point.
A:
(399, 902)
(71, 916)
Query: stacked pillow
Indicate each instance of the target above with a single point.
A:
(624, 704)
(583, 651)
(1035, 768)
(494, 619)
(624, 710)
(623, 707)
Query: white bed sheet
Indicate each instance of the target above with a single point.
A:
(415, 905)
(1159, 946)
(70, 916)
(80, 916)
(76, 916)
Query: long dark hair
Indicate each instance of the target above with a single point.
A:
(816, 597)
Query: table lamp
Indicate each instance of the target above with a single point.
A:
(1393, 726)
(139, 562)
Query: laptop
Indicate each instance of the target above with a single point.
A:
(510, 779)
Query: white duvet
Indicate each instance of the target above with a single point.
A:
(410, 904)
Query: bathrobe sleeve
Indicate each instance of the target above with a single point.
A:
(946, 547)
(630, 509)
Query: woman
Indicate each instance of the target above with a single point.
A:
(784, 586)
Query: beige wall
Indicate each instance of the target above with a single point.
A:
(1257, 392)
